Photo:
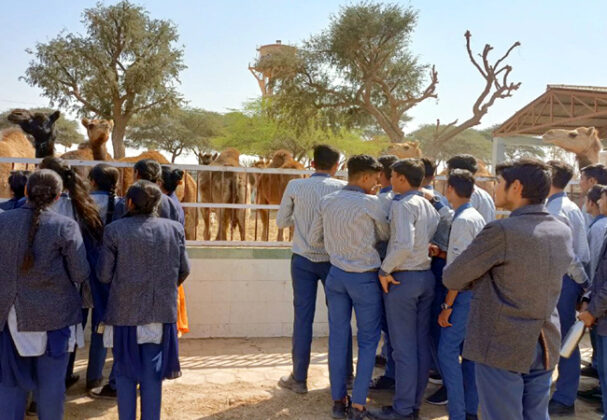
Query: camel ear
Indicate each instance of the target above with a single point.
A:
(590, 131)
(215, 155)
(111, 122)
(85, 122)
(54, 116)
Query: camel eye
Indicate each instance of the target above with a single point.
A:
(573, 135)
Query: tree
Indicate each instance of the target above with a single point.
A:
(125, 65)
(67, 129)
(358, 72)
(469, 141)
(175, 132)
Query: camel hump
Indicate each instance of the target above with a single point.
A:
(229, 157)
(14, 143)
(280, 158)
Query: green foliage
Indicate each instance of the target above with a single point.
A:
(356, 73)
(470, 141)
(125, 64)
(67, 129)
(175, 132)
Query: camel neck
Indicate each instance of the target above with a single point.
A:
(99, 150)
(45, 149)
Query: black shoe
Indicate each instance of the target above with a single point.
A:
(350, 383)
(388, 413)
(356, 414)
(93, 384)
(471, 416)
(32, 409)
(557, 409)
(439, 397)
(600, 410)
(380, 361)
(590, 372)
(104, 393)
(289, 382)
(341, 409)
(382, 383)
(71, 381)
(435, 378)
(591, 395)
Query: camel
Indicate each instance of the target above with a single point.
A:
(13, 143)
(408, 149)
(227, 188)
(583, 141)
(270, 187)
(40, 126)
(482, 172)
(98, 132)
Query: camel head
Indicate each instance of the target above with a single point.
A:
(408, 149)
(207, 158)
(583, 141)
(98, 131)
(280, 158)
(40, 126)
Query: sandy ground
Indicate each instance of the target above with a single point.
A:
(236, 379)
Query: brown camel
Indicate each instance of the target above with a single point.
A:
(227, 188)
(408, 149)
(270, 187)
(583, 141)
(40, 126)
(98, 132)
(13, 144)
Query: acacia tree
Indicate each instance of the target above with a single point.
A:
(358, 72)
(126, 64)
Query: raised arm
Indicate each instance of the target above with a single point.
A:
(284, 218)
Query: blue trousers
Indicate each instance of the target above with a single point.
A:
(569, 369)
(360, 291)
(601, 359)
(150, 386)
(459, 379)
(440, 292)
(97, 355)
(408, 307)
(506, 395)
(49, 392)
(386, 349)
(305, 275)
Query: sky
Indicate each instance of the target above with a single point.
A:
(563, 42)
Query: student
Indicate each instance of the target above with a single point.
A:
(350, 223)
(565, 394)
(598, 227)
(310, 263)
(480, 200)
(513, 330)
(408, 284)
(429, 175)
(458, 379)
(103, 179)
(16, 182)
(144, 260)
(591, 175)
(39, 299)
(384, 359)
(150, 170)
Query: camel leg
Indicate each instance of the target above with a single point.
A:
(241, 219)
(206, 216)
(223, 218)
(264, 215)
(280, 236)
(190, 223)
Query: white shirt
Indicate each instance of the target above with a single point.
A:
(596, 237)
(483, 203)
(466, 224)
(146, 334)
(560, 205)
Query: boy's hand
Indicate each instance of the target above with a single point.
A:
(587, 318)
(428, 194)
(443, 318)
(386, 281)
(433, 250)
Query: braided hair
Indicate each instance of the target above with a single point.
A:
(144, 196)
(171, 178)
(85, 207)
(106, 178)
(43, 188)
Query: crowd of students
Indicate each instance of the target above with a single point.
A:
(478, 303)
(73, 247)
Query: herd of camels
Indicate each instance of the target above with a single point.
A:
(217, 187)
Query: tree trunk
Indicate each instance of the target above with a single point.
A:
(118, 137)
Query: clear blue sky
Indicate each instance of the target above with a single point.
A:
(562, 42)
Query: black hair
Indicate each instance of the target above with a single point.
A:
(325, 157)
(561, 173)
(171, 179)
(17, 181)
(148, 170)
(429, 167)
(594, 193)
(596, 171)
(359, 164)
(533, 174)
(106, 179)
(145, 196)
(462, 181)
(412, 169)
(43, 187)
(387, 161)
(84, 206)
(463, 161)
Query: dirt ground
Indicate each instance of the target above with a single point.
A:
(236, 379)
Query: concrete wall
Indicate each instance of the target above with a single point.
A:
(244, 292)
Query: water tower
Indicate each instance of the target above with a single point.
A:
(262, 70)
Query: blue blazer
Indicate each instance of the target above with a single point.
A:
(166, 209)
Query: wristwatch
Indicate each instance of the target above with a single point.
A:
(445, 306)
(435, 199)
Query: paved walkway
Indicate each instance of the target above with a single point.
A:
(236, 379)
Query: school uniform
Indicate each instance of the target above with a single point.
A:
(481, 200)
(38, 310)
(309, 263)
(167, 209)
(144, 260)
(569, 369)
(515, 268)
(413, 222)
(11, 204)
(443, 200)
(459, 379)
(180, 211)
(350, 223)
(597, 229)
